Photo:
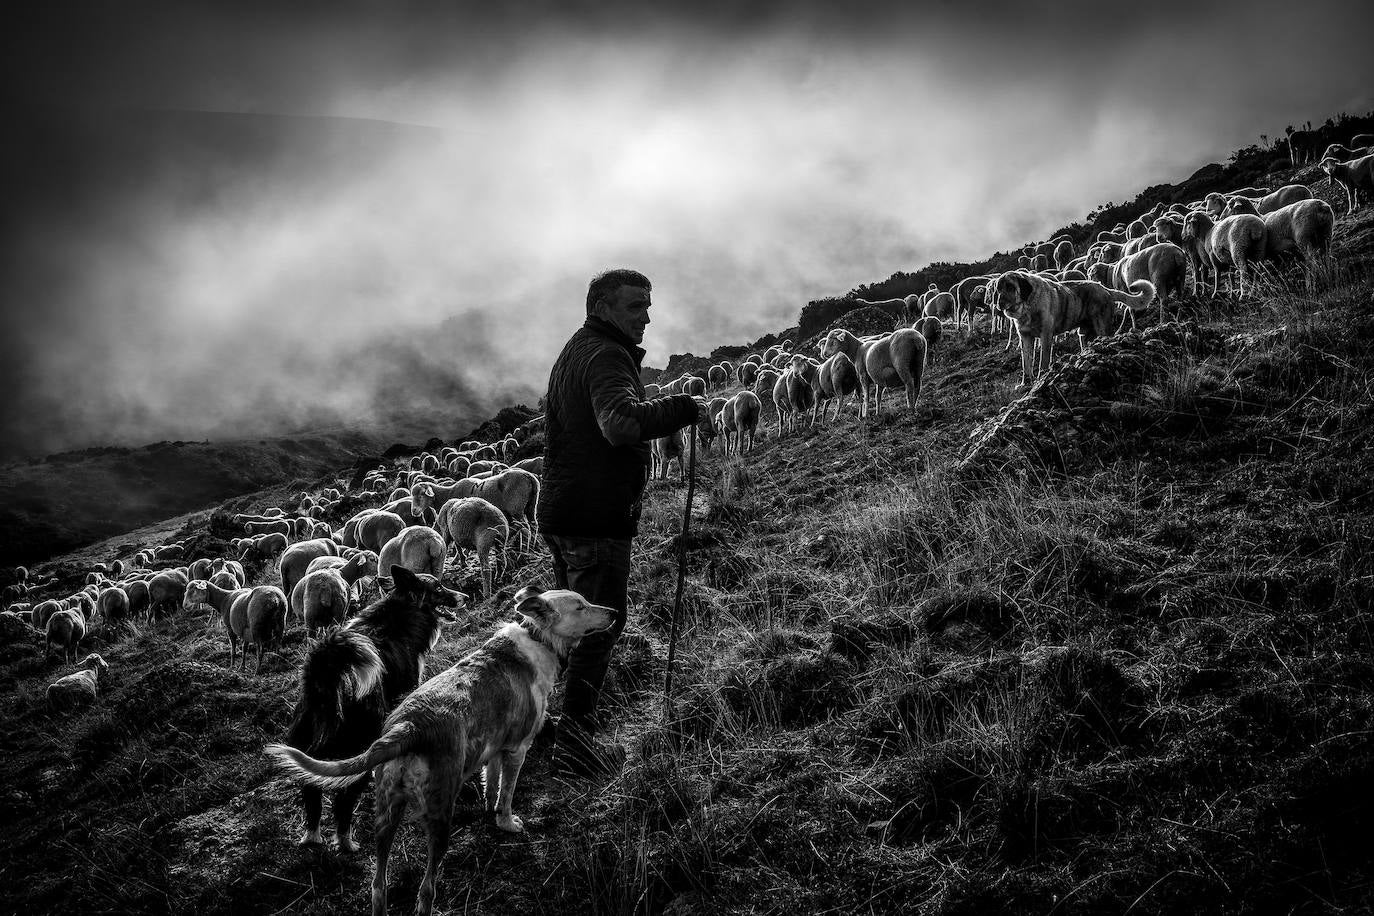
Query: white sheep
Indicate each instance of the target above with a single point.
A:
(932, 329)
(166, 589)
(418, 548)
(320, 597)
(113, 605)
(65, 631)
(257, 619)
(296, 559)
(1355, 176)
(745, 409)
(516, 493)
(1286, 195)
(1165, 265)
(837, 379)
(1237, 241)
(218, 597)
(886, 361)
(79, 689)
(472, 523)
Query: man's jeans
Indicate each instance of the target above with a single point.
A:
(598, 569)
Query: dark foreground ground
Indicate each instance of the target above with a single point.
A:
(1104, 648)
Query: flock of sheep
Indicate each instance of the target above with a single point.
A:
(467, 498)
(428, 514)
(1054, 290)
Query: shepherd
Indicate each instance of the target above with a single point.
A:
(596, 466)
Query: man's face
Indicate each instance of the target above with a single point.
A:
(628, 309)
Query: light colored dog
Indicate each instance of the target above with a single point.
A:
(482, 712)
(1043, 309)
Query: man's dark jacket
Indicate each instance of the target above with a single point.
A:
(598, 428)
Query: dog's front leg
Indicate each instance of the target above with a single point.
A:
(1046, 352)
(511, 761)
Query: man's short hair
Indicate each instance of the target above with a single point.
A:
(604, 284)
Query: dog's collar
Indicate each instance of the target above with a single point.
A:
(535, 632)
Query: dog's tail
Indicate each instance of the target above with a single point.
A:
(342, 665)
(398, 740)
(1144, 294)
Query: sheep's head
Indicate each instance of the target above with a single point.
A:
(421, 498)
(1238, 205)
(1328, 165)
(95, 663)
(197, 590)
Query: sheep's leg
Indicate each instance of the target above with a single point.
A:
(343, 803)
(312, 800)
(258, 665)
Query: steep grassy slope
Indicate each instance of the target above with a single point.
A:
(1098, 647)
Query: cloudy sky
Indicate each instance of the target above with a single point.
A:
(183, 275)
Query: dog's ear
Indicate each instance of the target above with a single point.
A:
(1024, 286)
(405, 579)
(530, 602)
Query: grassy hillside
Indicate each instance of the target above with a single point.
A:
(1099, 647)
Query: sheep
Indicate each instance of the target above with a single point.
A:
(782, 403)
(717, 377)
(932, 329)
(746, 409)
(199, 569)
(968, 296)
(416, 508)
(263, 547)
(297, 557)
(514, 492)
(41, 611)
(1235, 241)
(1164, 265)
(166, 588)
(114, 605)
(1063, 254)
(801, 387)
(472, 523)
(695, 386)
(1362, 140)
(219, 597)
(745, 373)
(65, 631)
(1302, 145)
(763, 384)
(1303, 228)
(941, 305)
(139, 598)
(371, 529)
(233, 567)
(1355, 175)
(1288, 194)
(837, 379)
(663, 450)
(534, 465)
(886, 361)
(418, 548)
(275, 526)
(83, 602)
(257, 617)
(1135, 229)
(78, 689)
(320, 597)
(1117, 235)
(1140, 243)
(1168, 230)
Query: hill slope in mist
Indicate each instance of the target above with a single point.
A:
(1096, 647)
